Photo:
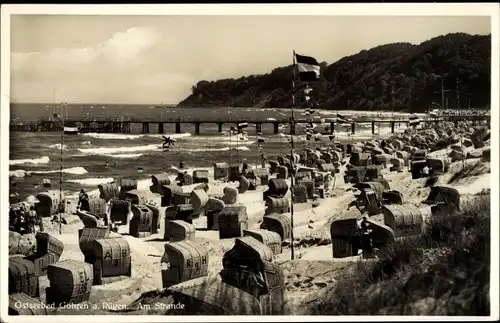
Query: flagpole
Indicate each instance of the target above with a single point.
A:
(292, 124)
(61, 172)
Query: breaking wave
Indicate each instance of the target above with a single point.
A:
(92, 181)
(122, 136)
(34, 161)
(123, 156)
(243, 148)
(71, 170)
(118, 150)
(58, 146)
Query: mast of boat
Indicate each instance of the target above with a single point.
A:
(292, 125)
(53, 101)
(61, 118)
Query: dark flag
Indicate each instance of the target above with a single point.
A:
(414, 121)
(308, 68)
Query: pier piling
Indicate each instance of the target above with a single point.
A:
(332, 128)
(276, 127)
(258, 127)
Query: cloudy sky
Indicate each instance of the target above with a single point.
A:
(154, 59)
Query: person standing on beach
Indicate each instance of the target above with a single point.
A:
(32, 221)
(366, 239)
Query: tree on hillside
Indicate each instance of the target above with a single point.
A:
(397, 77)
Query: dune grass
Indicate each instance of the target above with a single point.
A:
(446, 271)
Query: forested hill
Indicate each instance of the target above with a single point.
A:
(398, 77)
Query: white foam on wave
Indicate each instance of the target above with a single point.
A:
(124, 156)
(243, 148)
(17, 173)
(71, 170)
(232, 138)
(173, 135)
(117, 136)
(58, 146)
(33, 161)
(118, 150)
(94, 181)
(234, 143)
(123, 136)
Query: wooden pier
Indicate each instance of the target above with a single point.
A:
(121, 125)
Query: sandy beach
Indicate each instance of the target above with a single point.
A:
(306, 277)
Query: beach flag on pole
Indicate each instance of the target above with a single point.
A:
(308, 68)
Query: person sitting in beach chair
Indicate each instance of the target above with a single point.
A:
(83, 200)
(425, 171)
(59, 217)
(180, 178)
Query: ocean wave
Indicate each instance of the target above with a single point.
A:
(117, 150)
(172, 135)
(118, 136)
(123, 136)
(72, 170)
(234, 143)
(233, 138)
(243, 148)
(94, 181)
(34, 161)
(17, 173)
(58, 146)
(123, 156)
(23, 173)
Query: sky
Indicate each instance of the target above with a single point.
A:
(157, 59)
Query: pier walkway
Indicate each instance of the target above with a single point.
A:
(123, 125)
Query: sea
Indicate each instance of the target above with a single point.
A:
(34, 157)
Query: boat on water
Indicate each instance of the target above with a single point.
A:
(70, 128)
